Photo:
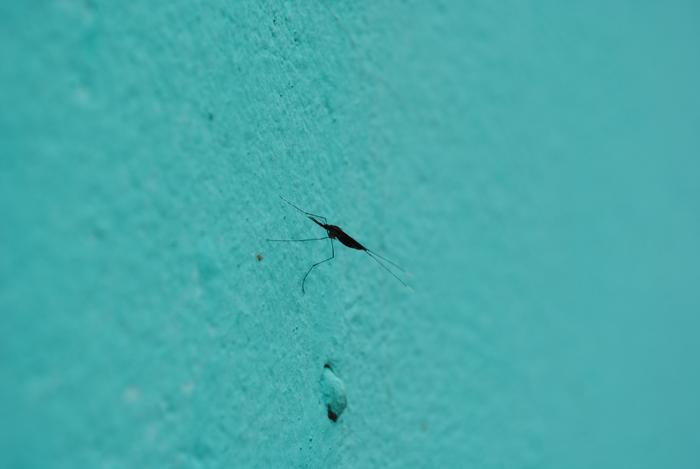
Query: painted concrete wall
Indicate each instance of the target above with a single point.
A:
(533, 165)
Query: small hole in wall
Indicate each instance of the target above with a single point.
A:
(333, 392)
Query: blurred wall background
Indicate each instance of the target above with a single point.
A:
(533, 165)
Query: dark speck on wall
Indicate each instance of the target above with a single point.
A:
(332, 415)
(259, 257)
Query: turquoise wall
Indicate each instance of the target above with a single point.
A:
(533, 165)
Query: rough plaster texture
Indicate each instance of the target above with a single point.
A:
(534, 165)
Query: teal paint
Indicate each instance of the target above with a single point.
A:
(532, 164)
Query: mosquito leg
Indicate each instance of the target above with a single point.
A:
(370, 254)
(318, 263)
(389, 261)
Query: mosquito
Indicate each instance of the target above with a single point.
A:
(337, 233)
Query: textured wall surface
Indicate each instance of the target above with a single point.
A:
(533, 165)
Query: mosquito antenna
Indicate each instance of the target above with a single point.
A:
(370, 254)
(389, 261)
(304, 211)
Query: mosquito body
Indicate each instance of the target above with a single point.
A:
(334, 232)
